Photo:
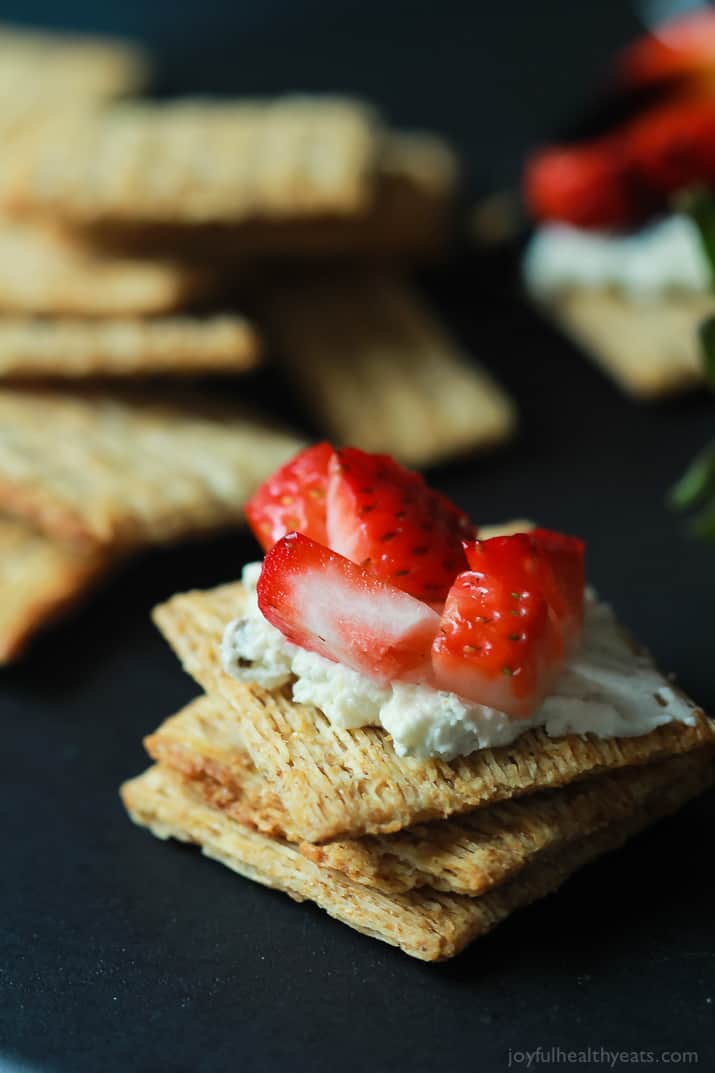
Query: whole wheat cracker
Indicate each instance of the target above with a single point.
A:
(78, 347)
(39, 581)
(408, 217)
(651, 349)
(336, 782)
(465, 855)
(120, 468)
(379, 371)
(57, 67)
(425, 924)
(197, 161)
(44, 271)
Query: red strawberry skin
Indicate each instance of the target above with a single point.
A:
(293, 498)
(584, 185)
(497, 645)
(622, 178)
(329, 605)
(510, 621)
(550, 563)
(385, 518)
(681, 49)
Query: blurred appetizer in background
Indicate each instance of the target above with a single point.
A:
(621, 258)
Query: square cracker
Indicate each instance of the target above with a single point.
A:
(197, 162)
(335, 782)
(408, 217)
(378, 370)
(77, 347)
(464, 855)
(56, 67)
(44, 271)
(425, 924)
(651, 349)
(123, 469)
(39, 580)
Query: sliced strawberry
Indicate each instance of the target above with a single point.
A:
(584, 184)
(385, 518)
(625, 176)
(550, 563)
(497, 644)
(329, 605)
(673, 146)
(681, 49)
(563, 585)
(293, 499)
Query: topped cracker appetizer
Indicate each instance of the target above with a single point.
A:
(622, 270)
(383, 684)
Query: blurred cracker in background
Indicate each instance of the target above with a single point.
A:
(39, 580)
(197, 162)
(66, 348)
(46, 271)
(409, 215)
(122, 469)
(651, 349)
(378, 370)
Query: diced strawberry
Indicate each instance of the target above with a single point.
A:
(565, 584)
(497, 644)
(673, 146)
(385, 518)
(329, 605)
(583, 184)
(551, 563)
(509, 622)
(293, 499)
(681, 49)
(625, 176)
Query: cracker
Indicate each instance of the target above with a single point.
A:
(45, 272)
(39, 581)
(407, 218)
(74, 347)
(334, 782)
(198, 162)
(651, 349)
(121, 469)
(378, 370)
(465, 855)
(52, 67)
(425, 924)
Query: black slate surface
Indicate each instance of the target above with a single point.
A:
(119, 953)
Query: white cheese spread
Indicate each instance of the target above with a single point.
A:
(605, 690)
(665, 256)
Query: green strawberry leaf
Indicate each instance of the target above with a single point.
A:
(703, 524)
(697, 482)
(707, 338)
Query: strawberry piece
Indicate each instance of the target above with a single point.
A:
(293, 499)
(584, 184)
(681, 49)
(329, 605)
(497, 644)
(622, 178)
(510, 621)
(551, 563)
(564, 583)
(385, 518)
(673, 146)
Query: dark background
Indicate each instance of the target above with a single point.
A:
(118, 953)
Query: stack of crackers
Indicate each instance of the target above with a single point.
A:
(133, 237)
(423, 854)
